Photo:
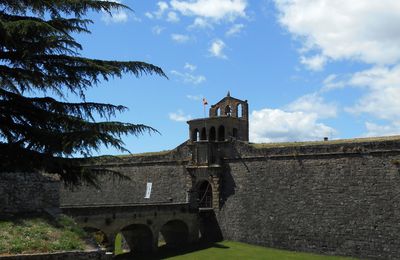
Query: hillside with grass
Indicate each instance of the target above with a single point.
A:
(40, 235)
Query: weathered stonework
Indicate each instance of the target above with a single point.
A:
(317, 199)
(28, 192)
(337, 197)
(166, 171)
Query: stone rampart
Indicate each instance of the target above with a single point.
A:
(28, 192)
(340, 198)
(166, 172)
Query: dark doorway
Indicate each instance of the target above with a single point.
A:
(235, 132)
(205, 195)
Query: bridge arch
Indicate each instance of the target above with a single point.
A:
(175, 233)
(99, 236)
(139, 238)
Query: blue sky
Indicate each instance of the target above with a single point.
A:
(308, 68)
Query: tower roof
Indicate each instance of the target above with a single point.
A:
(229, 98)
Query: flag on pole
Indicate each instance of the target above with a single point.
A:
(205, 102)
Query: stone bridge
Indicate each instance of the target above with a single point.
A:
(141, 225)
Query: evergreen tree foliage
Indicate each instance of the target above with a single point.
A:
(39, 55)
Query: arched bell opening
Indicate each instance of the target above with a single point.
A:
(203, 135)
(212, 135)
(228, 110)
(239, 110)
(218, 112)
(205, 197)
(221, 133)
(195, 135)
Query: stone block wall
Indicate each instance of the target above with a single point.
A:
(28, 192)
(166, 171)
(341, 200)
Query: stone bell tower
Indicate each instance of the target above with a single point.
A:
(228, 119)
(209, 137)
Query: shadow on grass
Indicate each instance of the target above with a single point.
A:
(166, 252)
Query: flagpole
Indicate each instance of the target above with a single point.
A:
(204, 110)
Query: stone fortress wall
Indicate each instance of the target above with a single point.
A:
(22, 193)
(338, 197)
(165, 170)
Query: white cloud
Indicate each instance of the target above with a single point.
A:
(365, 30)
(275, 125)
(332, 82)
(179, 38)
(235, 29)
(211, 9)
(190, 67)
(313, 103)
(217, 49)
(179, 116)
(189, 78)
(162, 8)
(116, 16)
(382, 96)
(316, 62)
(157, 29)
(195, 98)
(381, 130)
(149, 15)
(200, 23)
(172, 17)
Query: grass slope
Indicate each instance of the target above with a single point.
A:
(39, 235)
(235, 250)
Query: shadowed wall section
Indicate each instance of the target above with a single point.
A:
(337, 199)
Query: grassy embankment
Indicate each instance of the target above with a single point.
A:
(39, 235)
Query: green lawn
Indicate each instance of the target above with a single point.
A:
(235, 250)
(232, 250)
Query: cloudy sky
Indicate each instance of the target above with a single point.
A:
(308, 68)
